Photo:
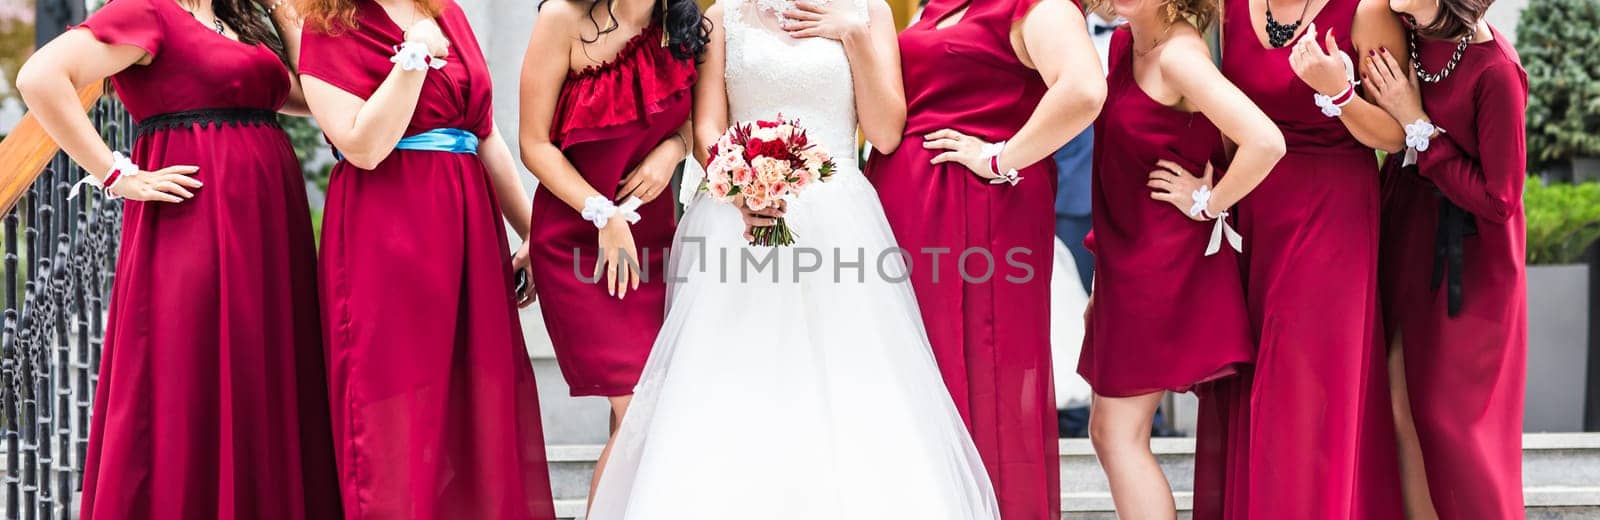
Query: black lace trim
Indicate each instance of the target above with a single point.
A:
(209, 117)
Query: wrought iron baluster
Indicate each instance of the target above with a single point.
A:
(59, 255)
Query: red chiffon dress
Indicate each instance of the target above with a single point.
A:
(608, 118)
(1465, 370)
(1165, 316)
(990, 335)
(212, 401)
(434, 407)
(1311, 434)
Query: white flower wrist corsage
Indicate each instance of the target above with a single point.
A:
(415, 56)
(598, 209)
(121, 166)
(1419, 135)
(991, 155)
(1220, 230)
(1333, 106)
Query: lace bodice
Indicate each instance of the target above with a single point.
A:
(808, 79)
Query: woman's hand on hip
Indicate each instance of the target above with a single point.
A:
(170, 184)
(961, 149)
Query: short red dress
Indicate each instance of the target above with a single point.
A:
(434, 407)
(1165, 316)
(990, 336)
(1465, 371)
(1310, 433)
(212, 401)
(609, 117)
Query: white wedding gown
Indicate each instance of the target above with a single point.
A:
(782, 394)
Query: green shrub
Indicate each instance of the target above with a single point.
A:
(1563, 220)
(1557, 40)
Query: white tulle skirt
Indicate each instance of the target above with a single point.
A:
(810, 396)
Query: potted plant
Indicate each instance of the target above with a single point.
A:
(1563, 221)
(1557, 40)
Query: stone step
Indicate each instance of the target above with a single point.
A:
(1561, 474)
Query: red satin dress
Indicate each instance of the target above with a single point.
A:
(990, 335)
(1311, 435)
(608, 118)
(1465, 372)
(435, 412)
(1165, 316)
(212, 401)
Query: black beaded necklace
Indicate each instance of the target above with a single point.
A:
(1279, 34)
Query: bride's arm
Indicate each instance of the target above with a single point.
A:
(710, 90)
(874, 54)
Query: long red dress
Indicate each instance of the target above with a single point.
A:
(212, 401)
(991, 338)
(609, 117)
(1465, 372)
(1166, 316)
(1312, 435)
(435, 412)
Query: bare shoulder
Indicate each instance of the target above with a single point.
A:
(714, 12)
(879, 9)
(1185, 51)
(563, 11)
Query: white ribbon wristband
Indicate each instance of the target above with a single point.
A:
(121, 166)
(1332, 108)
(415, 56)
(1419, 135)
(990, 154)
(1220, 230)
(598, 210)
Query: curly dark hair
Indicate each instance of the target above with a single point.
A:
(688, 31)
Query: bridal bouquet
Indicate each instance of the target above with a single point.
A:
(759, 163)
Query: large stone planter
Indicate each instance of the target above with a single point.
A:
(1558, 347)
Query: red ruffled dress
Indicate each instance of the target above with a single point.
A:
(435, 412)
(1310, 434)
(1166, 316)
(1465, 372)
(608, 118)
(212, 401)
(990, 338)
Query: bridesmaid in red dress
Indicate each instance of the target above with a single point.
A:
(1156, 268)
(212, 400)
(434, 406)
(992, 88)
(1457, 322)
(1309, 435)
(606, 133)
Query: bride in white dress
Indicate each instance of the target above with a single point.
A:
(803, 388)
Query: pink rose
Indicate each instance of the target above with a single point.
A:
(770, 170)
(741, 173)
(757, 201)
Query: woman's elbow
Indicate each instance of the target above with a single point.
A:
(1272, 146)
(32, 80)
(1087, 95)
(365, 160)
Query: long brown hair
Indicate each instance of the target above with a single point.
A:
(248, 22)
(335, 16)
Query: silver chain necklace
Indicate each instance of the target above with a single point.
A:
(1449, 66)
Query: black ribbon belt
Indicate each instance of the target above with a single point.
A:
(207, 117)
(1449, 250)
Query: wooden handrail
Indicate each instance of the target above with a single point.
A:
(25, 153)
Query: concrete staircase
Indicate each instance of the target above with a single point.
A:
(1561, 473)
